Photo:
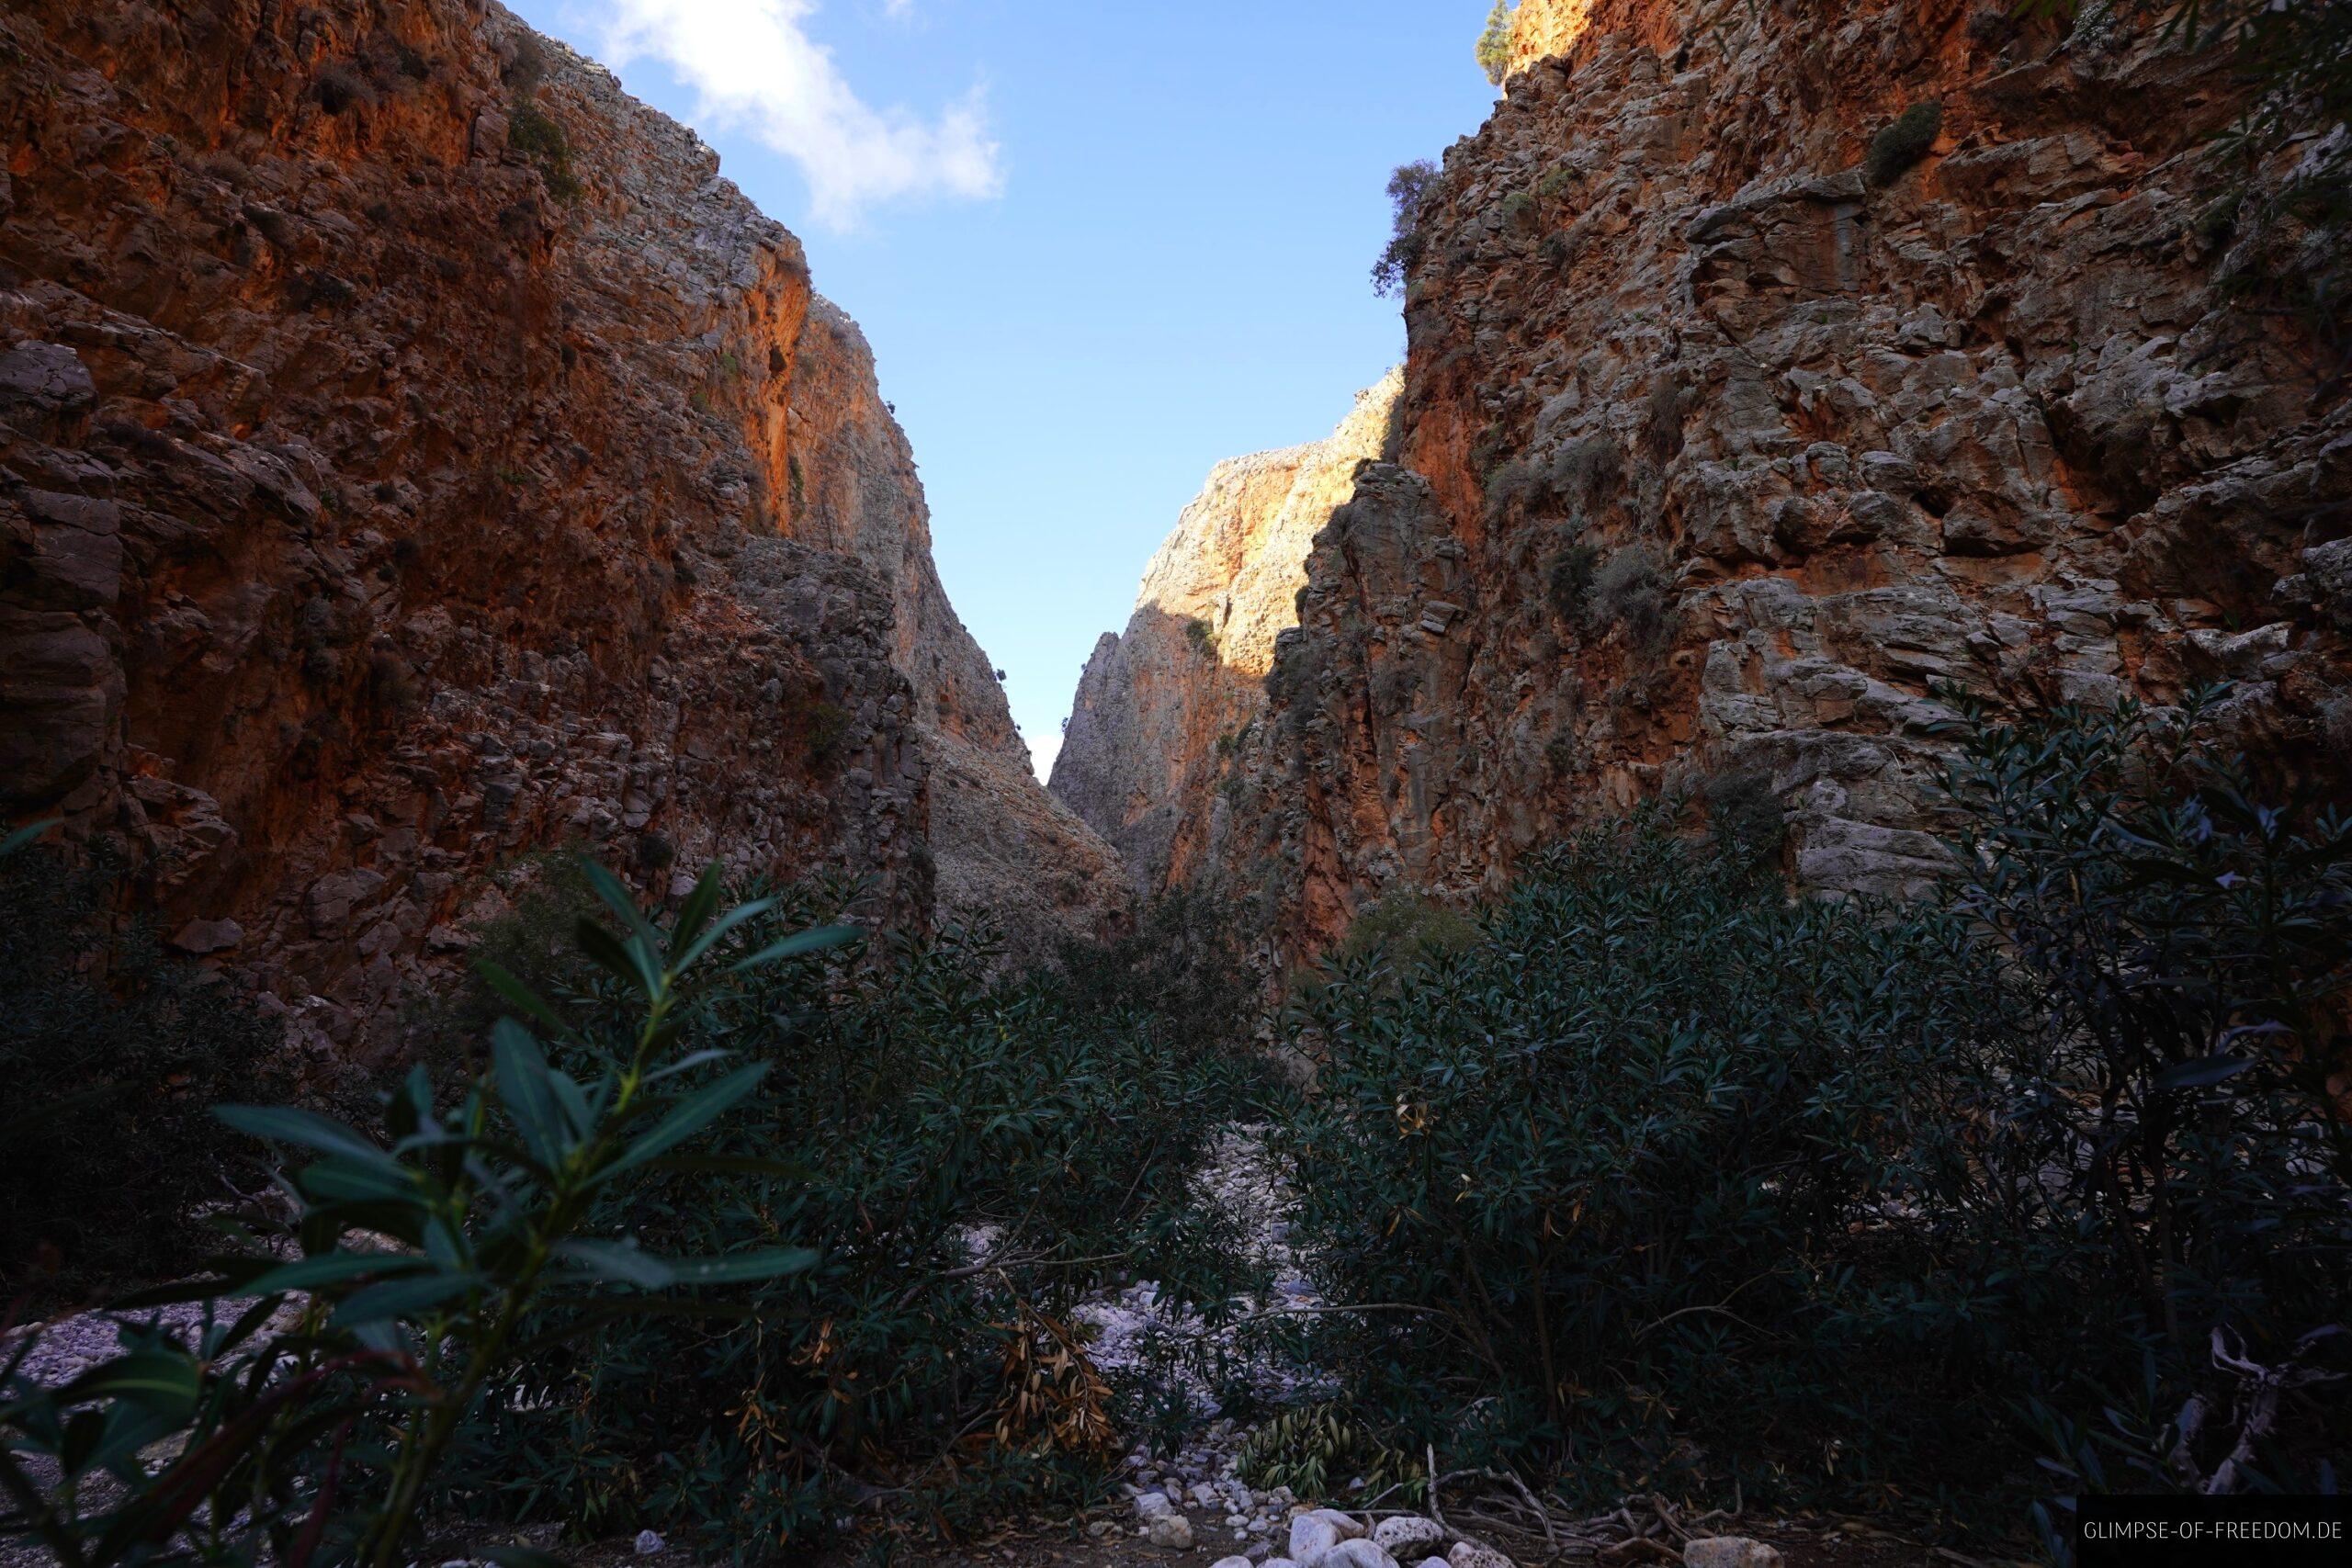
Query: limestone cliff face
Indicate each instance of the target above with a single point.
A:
(999, 844)
(1162, 710)
(413, 454)
(1715, 452)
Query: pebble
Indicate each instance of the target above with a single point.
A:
(1173, 1531)
(649, 1542)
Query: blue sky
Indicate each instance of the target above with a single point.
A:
(1096, 247)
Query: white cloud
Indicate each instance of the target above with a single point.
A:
(756, 68)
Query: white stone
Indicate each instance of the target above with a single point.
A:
(1172, 1530)
(1154, 1505)
(1311, 1537)
(1356, 1553)
(1406, 1532)
(1729, 1551)
(648, 1543)
(1346, 1526)
(1470, 1554)
(1232, 1562)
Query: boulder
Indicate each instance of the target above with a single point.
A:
(1406, 1533)
(1173, 1531)
(1729, 1551)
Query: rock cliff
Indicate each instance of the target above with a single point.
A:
(414, 455)
(1163, 709)
(1768, 366)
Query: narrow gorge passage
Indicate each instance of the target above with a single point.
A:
(1717, 933)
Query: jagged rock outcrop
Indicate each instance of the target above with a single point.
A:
(1731, 426)
(1162, 710)
(412, 454)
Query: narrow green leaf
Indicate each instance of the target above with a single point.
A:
(690, 1116)
(629, 961)
(521, 995)
(521, 1069)
(619, 899)
(329, 1269)
(343, 1181)
(816, 941)
(727, 922)
(618, 1262)
(151, 1380)
(768, 1263)
(402, 1297)
(307, 1128)
(700, 904)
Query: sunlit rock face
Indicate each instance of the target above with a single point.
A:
(1164, 708)
(1717, 452)
(416, 455)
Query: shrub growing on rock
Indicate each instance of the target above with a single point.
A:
(1409, 189)
(1903, 142)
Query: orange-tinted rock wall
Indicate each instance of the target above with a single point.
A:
(416, 455)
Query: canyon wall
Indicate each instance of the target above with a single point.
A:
(415, 455)
(1163, 708)
(1743, 409)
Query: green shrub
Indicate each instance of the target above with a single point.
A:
(1903, 142)
(1494, 41)
(427, 1265)
(1629, 590)
(1410, 188)
(1568, 578)
(533, 939)
(112, 1052)
(1404, 926)
(537, 135)
(1201, 637)
(1316, 1452)
(828, 726)
(1669, 1181)
(976, 1155)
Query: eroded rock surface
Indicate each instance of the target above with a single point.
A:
(1163, 708)
(1718, 451)
(415, 456)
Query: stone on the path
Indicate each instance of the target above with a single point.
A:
(1154, 1506)
(1408, 1532)
(1344, 1527)
(1236, 1562)
(1729, 1551)
(1311, 1537)
(1434, 1562)
(1470, 1554)
(1357, 1553)
(649, 1542)
(1173, 1531)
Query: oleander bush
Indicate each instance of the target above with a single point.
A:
(1673, 1181)
(352, 1333)
(977, 1153)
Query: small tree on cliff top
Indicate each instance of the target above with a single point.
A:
(1494, 44)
